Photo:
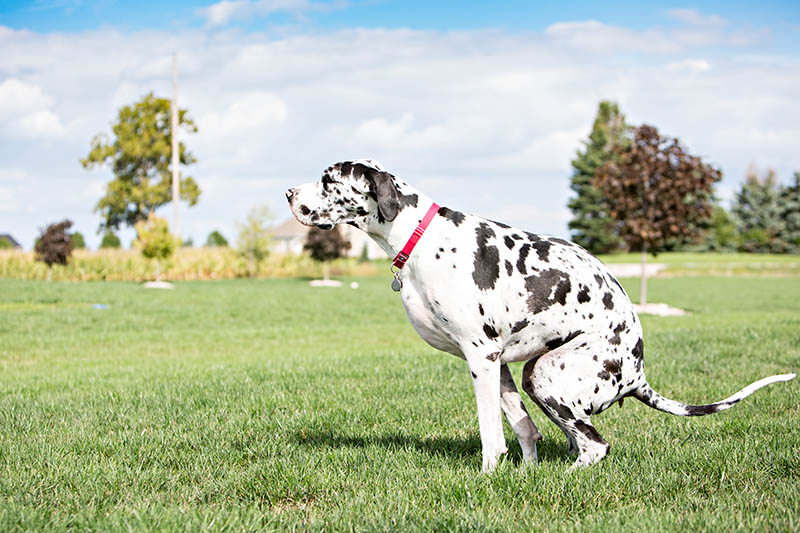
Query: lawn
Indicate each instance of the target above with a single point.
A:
(250, 405)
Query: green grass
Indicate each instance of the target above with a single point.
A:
(252, 405)
(716, 264)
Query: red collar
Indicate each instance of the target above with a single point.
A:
(402, 256)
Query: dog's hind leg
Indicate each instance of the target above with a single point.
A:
(565, 385)
(517, 416)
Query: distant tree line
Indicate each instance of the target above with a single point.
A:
(635, 189)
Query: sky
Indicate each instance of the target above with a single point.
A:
(481, 105)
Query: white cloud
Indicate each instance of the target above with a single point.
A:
(226, 11)
(480, 119)
(24, 111)
(693, 17)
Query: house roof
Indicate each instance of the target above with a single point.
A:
(12, 240)
(290, 229)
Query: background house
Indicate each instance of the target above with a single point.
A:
(290, 236)
(10, 240)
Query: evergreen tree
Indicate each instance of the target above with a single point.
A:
(757, 212)
(78, 242)
(591, 226)
(790, 213)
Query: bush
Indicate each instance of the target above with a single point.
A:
(110, 240)
(185, 264)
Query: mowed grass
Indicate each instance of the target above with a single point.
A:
(270, 405)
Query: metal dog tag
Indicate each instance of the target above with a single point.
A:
(397, 284)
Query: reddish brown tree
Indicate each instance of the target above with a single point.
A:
(54, 245)
(658, 193)
(326, 245)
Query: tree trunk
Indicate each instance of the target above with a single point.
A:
(326, 270)
(643, 286)
(50, 273)
(158, 270)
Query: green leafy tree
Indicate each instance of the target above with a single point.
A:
(657, 192)
(78, 241)
(325, 246)
(5, 244)
(758, 214)
(721, 236)
(154, 240)
(215, 238)
(110, 240)
(54, 246)
(139, 156)
(592, 226)
(255, 236)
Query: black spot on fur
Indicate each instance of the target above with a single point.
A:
(304, 210)
(590, 432)
(615, 340)
(509, 268)
(542, 249)
(600, 281)
(490, 331)
(700, 410)
(613, 280)
(504, 226)
(474, 375)
(453, 216)
(604, 375)
(516, 237)
(596, 388)
(509, 242)
(480, 309)
(560, 241)
(555, 343)
(608, 301)
(546, 289)
(583, 295)
(493, 356)
(487, 259)
(519, 326)
(563, 411)
(523, 255)
(613, 366)
(638, 354)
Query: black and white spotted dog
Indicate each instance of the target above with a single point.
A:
(492, 295)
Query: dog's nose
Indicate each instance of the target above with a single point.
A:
(290, 194)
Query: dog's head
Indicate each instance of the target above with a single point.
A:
(355, 192)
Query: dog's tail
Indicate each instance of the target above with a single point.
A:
(647, 395)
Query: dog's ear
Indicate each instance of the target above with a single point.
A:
(385, 192)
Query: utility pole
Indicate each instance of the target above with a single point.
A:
(176, 228)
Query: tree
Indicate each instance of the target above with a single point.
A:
(215, 238)
(54, 245)
(325, 246)
(592, 226)
(78, 241)
(154, 240)
(139, 157)
(110, 240)
(721, 236)
(5, 244)
(255, 236)
(790, 213)
(657, 193)
(758, 213)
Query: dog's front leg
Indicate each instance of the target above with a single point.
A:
(485, 371)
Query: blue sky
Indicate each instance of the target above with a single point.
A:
(782, 16)
(481, 105)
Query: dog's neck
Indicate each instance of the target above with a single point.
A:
(392, 236)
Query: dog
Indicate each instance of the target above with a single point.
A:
(492, 295)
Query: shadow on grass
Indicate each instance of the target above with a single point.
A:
(461, 448)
